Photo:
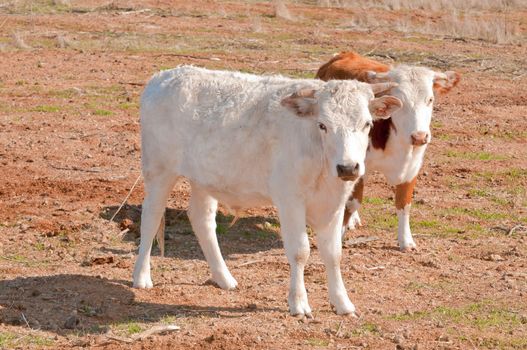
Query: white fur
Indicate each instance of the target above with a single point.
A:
(400, 161)
(404, 235)
(236, 141)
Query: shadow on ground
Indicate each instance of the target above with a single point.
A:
(77, 303)
(248, 235)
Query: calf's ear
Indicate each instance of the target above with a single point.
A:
(302, 103)
(380, 89)
(443, 82)
(383, 107)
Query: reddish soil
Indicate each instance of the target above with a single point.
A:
(70, 151)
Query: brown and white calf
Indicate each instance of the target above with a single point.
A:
(397, 144)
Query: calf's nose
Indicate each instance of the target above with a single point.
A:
(348, 172)
(419, 138)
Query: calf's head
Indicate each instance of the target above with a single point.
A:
(342, 114)
(415, 88)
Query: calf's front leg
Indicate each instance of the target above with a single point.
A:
(296, 244)
(330, 247)
(403, 201)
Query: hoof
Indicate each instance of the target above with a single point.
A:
(142, 283)
(408, 249)
(225, 281)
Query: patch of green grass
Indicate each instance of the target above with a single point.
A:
(46, 109)
(168, 319)
(484, 193)
(128, 105)
(221, 229)
(483, 156)
(102, 112)
(426, 224)
(507, 134)
(381, 220)
(414, 286)
(481, 315)
(375, 200)
(317, 342)
(508, 343)
(516, 174)
(366, 329)
(16, 258)
(10, 340)
(443, 137)
(258, 234)
(35, 7)
(300, 74)
(436, 124)
(6, 340)
(133, 328)
(129, 328)
(39, 246)
(38, 340)
(65, 93)
(474, 213)
(476, 192)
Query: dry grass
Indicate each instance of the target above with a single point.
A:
(62, 41)
(495, 30)
(256, 24)
(433, 5)
(61, 2)
(281, 11)
(18, 41)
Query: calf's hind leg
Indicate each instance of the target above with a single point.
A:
(157, 189)
(202, 215)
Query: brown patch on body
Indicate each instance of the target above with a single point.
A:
(358, 192)
(380, 132)
(404, 193)
(350, 65)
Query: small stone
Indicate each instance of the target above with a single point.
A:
(210, 338)
(494, 257)
(71, 322)
(443, 338)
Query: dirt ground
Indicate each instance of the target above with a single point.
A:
(71, 73)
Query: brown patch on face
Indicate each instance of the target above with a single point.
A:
(380, 132)
(357, 194)
(350, 65)
(404, 193)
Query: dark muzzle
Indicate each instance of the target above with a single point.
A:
(348, 172)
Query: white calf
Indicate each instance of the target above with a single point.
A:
(247, 141)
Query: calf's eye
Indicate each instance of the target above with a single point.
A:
(430, 101)
(367, 126)
(322, 127)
